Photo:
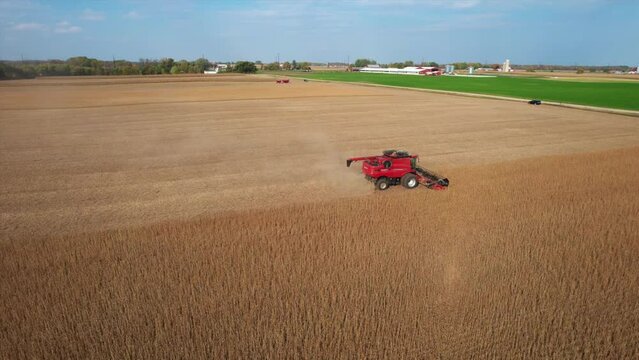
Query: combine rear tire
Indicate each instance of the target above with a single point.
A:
(409, 181)
(382, 184)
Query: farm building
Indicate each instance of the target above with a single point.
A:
(410, 70)
(216, 69)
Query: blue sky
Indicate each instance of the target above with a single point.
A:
(568, 32)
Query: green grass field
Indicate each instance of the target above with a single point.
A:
(618, 95)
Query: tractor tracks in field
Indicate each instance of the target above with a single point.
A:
(189, 102)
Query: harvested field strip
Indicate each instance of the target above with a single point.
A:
(533, 258)
(137, 103)
(132, 80)
(106, 167)
(618, 95)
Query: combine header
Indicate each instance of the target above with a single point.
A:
(398, 167)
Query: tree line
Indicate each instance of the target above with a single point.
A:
(359, 63)
(82, 65)
(578, 68)
(293, 65)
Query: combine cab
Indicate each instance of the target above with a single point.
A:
(398, 168)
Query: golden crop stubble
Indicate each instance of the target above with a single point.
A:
(529, 258)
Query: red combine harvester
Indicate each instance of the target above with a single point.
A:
(398, 167)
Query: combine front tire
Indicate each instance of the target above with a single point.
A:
(409, 181)
(382, 184)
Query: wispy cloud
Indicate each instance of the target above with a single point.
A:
(453, 4)
(291, 16)
(31, 26)
(92, 15)
(471, 4)
(464, 4)
(65, 27)
(21, 10)
(133, 15)
(464, 22)
(19, 5)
